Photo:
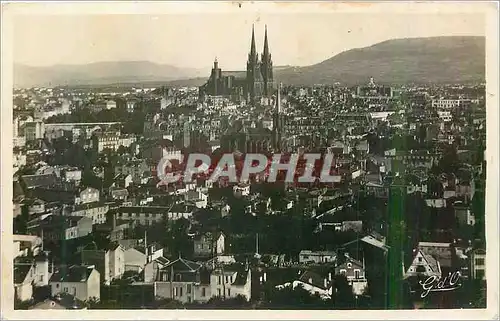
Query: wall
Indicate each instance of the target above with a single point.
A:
(162, 290)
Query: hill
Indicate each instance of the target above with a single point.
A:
(412, 60)
(398, 61)
(100, 73)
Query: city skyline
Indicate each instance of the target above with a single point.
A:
(93, 38)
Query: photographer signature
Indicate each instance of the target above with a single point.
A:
(440, 284)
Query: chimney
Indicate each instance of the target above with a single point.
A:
(329, 276)
(325, 283)
(265, 276)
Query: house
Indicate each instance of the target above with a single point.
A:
(135, 260)
(88, 195)
(96, 211)
(152, 269)
(197, 198)
(57, 227)
(31, 271)
(209, 244)
(478, 264)
(307, 256)
(354, 271)
(231, 281)
(109, 262)
(24, 275)
(187, 281)
(80, 281)
(443, 252)
(423, 264)
(118, 193)
(314, 283)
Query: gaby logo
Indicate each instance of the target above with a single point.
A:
(304, 168)
(439, 284)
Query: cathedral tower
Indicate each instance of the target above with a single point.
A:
(267, 68)
(255, 81)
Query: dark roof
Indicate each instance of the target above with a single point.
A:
(59, 302)
(75, 273)
(45, 180)
(20, 272)
(315, 279)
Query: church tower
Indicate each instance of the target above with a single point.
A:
(254, 77)
(267, 68)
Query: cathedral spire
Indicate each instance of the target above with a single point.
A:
(266, 46)
(253, 51)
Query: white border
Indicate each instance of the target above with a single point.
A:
(490, 9)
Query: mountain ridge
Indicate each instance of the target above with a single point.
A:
(446, 59)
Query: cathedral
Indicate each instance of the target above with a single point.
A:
(253, 85)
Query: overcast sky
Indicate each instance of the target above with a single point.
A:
(193, 40)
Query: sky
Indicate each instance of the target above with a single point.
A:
(193, 40)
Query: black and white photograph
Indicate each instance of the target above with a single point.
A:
(245, 157)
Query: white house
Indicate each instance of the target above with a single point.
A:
(82, 282)
(423, 264)
(187, 281)
(110, 262)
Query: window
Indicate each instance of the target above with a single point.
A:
(218, 292)
(57, 285)
(228, 292)
(180, 291)
(342, 272)
(356, 274)
(177, 277)
(219, 280)
(66, 290)
(41, 278)
(479, 261)
(203, 292)
(227, 279)
(188, 290)
(419, 259)
(349, 265)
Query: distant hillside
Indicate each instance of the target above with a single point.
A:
(414, 60)
(100, 73)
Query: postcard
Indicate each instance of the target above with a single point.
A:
(249, 160)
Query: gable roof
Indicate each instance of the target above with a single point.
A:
(181, 264)
(21, 272)
(44, 180)
(74, 273)
(315, 279)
